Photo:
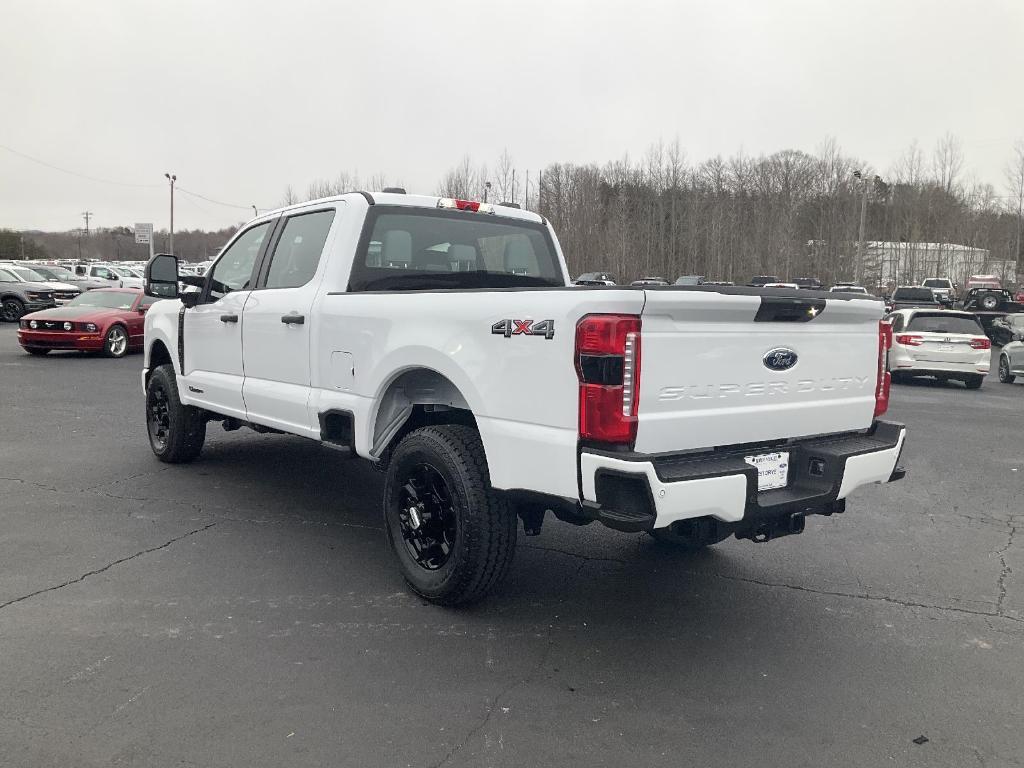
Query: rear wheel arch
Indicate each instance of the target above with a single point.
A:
(414, 398)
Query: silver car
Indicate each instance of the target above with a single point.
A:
(1011, 361)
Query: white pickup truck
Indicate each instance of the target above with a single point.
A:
(442, 340)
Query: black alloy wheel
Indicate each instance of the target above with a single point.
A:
(426, 517)
(158, 415)
(11, 310)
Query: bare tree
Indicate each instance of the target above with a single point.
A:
(947, 162)
(1015, 186)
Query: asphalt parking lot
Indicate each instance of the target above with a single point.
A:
(244, 611)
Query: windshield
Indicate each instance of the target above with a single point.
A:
(944, 322)
(122, 271)
(423, 249)
(913, 294)
(27, 274)
(936, 283)
(105, 299)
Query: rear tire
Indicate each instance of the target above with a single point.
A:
(176, 431)
(974, 382)
(38, 351)
(460, 542)
(1004, 370)
(691, 535)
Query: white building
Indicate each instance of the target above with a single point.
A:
(889, 263)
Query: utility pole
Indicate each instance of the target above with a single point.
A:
(171, 178)
(487, 186)
(513, 185)
(87, 215)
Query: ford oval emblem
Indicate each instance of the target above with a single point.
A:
(779, 359)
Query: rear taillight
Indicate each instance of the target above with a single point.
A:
(982, 343)
(884, 379)
(908, 340)
(608, 368)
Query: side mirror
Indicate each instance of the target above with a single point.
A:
(162, 277)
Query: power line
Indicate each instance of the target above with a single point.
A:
(211, 200)
(118, 183)
(74, 173)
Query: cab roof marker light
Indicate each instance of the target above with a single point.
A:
(465, 205)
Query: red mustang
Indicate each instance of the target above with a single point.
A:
(108, 320)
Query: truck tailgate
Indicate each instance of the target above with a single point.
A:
(705, 382)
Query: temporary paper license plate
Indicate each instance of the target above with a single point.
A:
(772, 469)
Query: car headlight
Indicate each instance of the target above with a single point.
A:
(90, 327)
(33, 324)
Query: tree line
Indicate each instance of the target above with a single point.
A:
(789, 213)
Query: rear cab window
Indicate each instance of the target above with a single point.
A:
(406, 248)
(944, 322)
(913, 294)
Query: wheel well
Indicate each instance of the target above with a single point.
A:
(416, 398)
(158, 355)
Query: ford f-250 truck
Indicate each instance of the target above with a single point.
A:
(442, 340)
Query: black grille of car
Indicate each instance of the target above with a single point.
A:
(47, 325)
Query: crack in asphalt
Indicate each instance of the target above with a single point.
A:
(998, 614)
(1004, 572)
(106, 567)
(495, 703)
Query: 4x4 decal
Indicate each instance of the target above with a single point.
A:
(510, 328)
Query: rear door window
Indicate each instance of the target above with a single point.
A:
(298, 250)
(415, 249)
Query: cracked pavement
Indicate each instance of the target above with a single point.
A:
(243, 611)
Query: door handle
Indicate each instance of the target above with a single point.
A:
(293, 319)
(229, 318)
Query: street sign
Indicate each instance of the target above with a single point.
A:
(143, 234)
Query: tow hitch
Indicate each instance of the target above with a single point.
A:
(774, 529)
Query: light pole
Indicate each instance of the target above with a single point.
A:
(487, 186)
(171, 178)
(255, 211)
(859, 265)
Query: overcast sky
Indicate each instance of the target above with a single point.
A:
(241, 98)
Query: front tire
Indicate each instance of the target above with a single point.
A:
(115, 344)
(974, 382)
(176, 431)
(11, 310)
(1004, 370)
(453, 535)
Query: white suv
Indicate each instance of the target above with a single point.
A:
(940, 343)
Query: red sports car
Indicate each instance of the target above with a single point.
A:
(108, 320)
